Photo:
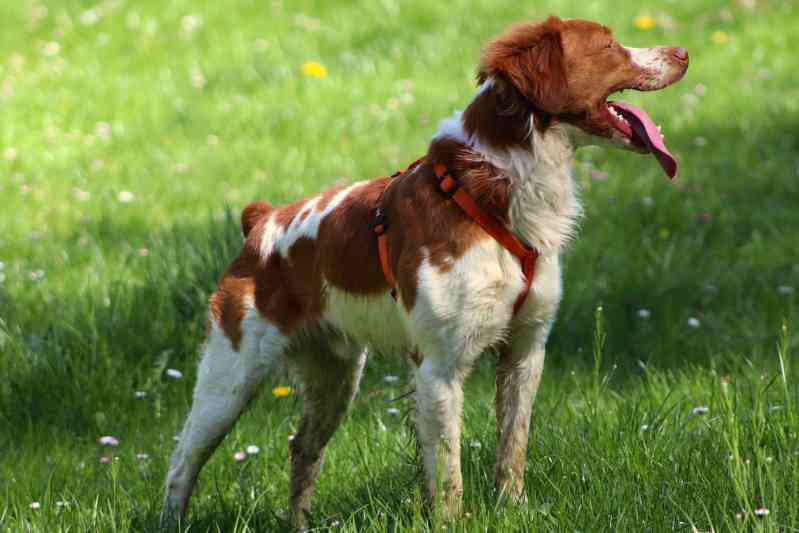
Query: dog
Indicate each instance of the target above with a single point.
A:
(403, 265)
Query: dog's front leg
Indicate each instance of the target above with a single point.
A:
(439, 404)
(519, 369)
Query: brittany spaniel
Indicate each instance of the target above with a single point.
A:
(308, 289)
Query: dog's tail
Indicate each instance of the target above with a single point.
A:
(253, 214)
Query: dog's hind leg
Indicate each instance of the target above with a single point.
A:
(227, 379)
(329, 374)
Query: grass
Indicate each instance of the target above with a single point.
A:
(129, 132)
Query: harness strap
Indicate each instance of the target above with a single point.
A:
(379, 226)
(451, 188)
(382, 250)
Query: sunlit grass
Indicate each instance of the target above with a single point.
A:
(129, 128)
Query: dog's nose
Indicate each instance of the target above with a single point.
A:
(680, 53)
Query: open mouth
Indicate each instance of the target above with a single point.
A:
(636, 126)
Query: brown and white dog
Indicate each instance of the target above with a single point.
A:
(308, 288)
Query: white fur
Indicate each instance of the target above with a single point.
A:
(226, 380)
(376, 320)
(281, 239)
(544, 203)
(653, 60)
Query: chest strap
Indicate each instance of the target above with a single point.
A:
(451, 188)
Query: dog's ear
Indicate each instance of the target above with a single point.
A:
(530, 56)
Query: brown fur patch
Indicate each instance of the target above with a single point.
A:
(421, 220)
(252, 214)
(288, 291)
(227, 304)
(530, 56)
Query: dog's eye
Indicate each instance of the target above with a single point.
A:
(609, 45)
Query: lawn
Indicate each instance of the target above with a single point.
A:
(133, 133)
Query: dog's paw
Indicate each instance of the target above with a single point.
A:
(170, 520)
(512, 493)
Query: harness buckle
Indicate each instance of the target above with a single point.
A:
(379, 221)
(448, 185)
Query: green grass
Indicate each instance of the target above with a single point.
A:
(198, 115)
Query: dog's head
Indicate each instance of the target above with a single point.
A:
(567, 69)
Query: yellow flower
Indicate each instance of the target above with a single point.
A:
(314, 70)
(644, 22)
(281, 392)
(664, 233)
(720, 37)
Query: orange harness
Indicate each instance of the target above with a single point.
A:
(451, 188)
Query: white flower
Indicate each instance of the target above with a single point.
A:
(108, 440)
(693, 322)
(133, 20)
(61, 503)
(762, 511)
(700, 410)
(689, 99)
(174, 373)
(35, 505)
(198, 80)
(785, 289)
(644, 313)
(393, 411)
(475, 444)
(38, 12)
(140, 394)
(125, 197)
(239, 456)
(644, 428)
(391, 379)
(81, 196)
(142, 456)
(89, 17)
(252, 449)
(292, 437)
(36, 275)
(51, 49)
(189, 24)
(103, 129)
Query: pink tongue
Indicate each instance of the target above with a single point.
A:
(646, 131)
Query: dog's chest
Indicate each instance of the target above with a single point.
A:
(374, 320)
(470, 297)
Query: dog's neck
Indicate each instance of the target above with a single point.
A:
(543, 205)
